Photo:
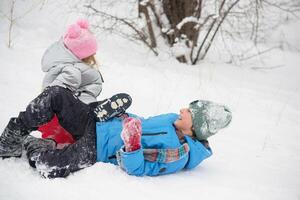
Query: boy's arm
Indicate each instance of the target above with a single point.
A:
(134, 163)
(198, 153)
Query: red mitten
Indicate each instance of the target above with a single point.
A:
(131, 134)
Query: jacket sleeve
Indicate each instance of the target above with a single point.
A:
(69, 77)
(135, 164)
(93, 88)
(198, 153)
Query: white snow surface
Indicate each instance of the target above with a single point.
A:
(255, 158)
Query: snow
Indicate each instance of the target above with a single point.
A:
(256, 157)
(187, 20)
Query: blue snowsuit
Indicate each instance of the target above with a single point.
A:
(157, 133)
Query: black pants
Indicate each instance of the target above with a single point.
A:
(74, 116)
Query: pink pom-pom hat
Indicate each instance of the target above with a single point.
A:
(79, 40)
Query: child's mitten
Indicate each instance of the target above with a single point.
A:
(131, 134)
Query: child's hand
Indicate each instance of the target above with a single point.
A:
(131, 134)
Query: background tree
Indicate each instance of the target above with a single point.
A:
(13, 14)
(188, 28)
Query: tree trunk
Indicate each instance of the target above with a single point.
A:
(179, 14)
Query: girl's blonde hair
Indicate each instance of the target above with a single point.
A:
(91, 61)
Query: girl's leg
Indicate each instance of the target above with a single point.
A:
(71, 112)
(73, 115)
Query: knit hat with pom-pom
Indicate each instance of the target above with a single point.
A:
(79, 40)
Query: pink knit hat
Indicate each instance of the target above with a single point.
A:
(79, 40)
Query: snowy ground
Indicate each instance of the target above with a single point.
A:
(257, 157)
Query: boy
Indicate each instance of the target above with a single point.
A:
(158, 145)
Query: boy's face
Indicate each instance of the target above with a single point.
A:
(185, 122)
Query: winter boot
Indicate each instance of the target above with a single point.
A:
(12, 138)
(34, 146)
(112, 107)
(131, 134)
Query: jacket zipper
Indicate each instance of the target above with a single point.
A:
(151, 134)
(112, 157)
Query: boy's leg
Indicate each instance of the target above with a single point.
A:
(52, 163)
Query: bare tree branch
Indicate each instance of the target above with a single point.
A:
(223, 18)
(142, 37)
(291, 11)
(259, 53)
(207, 34)
(11, 22)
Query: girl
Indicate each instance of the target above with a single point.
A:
(158, 145)
(70, 63)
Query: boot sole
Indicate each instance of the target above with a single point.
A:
(114, 106)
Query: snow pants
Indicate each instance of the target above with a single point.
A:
(74, 116)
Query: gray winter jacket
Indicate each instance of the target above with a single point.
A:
(63, 68)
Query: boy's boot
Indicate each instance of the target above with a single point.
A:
(112, 107)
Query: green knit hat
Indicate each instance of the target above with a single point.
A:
(208, 117)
